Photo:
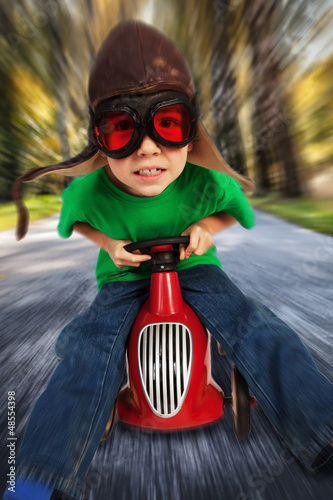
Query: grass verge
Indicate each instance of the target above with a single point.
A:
(38, 206)
(306, 212)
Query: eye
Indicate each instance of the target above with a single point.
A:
(114, 130)
(115, 122)
(123, 125)
(172, 123)
(169, 122)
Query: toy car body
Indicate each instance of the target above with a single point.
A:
(169, 384)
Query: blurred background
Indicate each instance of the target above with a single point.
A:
(264, 71)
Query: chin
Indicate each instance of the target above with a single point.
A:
(148, 193)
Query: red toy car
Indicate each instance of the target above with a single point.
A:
(169, 383)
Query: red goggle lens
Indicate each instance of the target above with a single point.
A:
(173, 123)
(115, 129)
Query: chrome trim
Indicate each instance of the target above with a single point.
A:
(165, 355)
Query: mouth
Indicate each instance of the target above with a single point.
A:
(150, 173)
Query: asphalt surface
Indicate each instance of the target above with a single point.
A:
(45, 282)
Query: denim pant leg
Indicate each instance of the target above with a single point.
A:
(69, 418)
(279, 369)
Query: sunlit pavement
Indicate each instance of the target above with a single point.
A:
(46, 281)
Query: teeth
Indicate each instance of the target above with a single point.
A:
(147, 171)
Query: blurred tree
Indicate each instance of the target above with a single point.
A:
(272, 141)
(10, 145)
(225, 106)
(88, 4)
(313, 115)
(60, 85)
(306, 61)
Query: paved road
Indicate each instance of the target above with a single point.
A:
(45, 282)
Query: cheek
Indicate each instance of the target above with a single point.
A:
(116, 171)
(118, 167)
(182, 157)
(178, 160)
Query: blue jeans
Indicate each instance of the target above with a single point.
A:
(68, 420)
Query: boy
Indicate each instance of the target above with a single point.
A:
(150, 162)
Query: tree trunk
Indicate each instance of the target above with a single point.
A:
(271, 130)
(227, 132)
(60, 91)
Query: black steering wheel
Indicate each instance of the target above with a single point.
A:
(143, 245)
(164, 261)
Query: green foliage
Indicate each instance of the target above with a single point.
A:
(303, 211)
(39, 207)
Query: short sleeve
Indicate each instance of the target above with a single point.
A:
(70, 212)
(234, 203)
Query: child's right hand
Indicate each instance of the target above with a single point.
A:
(115, 248)
(122, 258)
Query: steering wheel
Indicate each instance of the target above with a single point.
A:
(145, 245)
(161, 261)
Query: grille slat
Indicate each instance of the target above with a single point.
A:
(184, 353)
(143, 352)
(151, 364)
(171, 373)
(165, 356)
(164, 371)
(178, 372)
(157, 372)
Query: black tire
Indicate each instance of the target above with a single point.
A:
(240, 405)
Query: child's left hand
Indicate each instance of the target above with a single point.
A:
(200, 240)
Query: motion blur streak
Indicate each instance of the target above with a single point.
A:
(286, 267)
(263, 69)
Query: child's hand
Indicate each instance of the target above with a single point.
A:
(200, 240)
(121, 258)
(115, 248)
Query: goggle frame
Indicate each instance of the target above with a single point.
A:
(145, 126)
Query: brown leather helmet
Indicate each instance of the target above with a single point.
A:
(134, 58)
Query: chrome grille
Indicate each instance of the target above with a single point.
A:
(165, 356)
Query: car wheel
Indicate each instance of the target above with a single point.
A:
(240, 405)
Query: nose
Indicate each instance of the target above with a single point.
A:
(148, 147)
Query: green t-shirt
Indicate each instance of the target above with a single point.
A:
(196, 193)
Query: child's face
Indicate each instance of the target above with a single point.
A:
(149, 170)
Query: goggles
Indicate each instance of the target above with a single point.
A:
(167, 117)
